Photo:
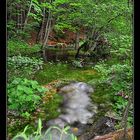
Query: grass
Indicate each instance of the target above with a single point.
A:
(61, 71)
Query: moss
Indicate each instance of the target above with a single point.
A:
(61, 71)
(52, 107)
(72, 52)
(51, 72)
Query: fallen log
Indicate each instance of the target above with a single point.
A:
(117, 135)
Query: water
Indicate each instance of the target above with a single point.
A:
(77, 108)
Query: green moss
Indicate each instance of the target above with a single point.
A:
(72, 52)
(51, 72)
(52, 106)
(61, 71)
(101, 94)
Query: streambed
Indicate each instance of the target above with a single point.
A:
(80, 113)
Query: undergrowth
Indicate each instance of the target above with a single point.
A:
(53, 71)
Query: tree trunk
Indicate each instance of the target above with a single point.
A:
(47, 32)
(77, 41)
(47, 26)
(92, 47)
(21, 19)
(125, 117)
(46, 39)
(26, 19)
(17, 20)
(23, 16)
(40, 34)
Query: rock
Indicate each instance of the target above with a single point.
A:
(112, 115)
(101, 126)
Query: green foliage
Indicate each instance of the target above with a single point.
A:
(24, 95)
(77, 63)
(19, 47)
(121, 45)
(10, 27)
(88, 13)
(38, 135)
(116, 78)
(23, 61)
(110, 19)
(29, 66)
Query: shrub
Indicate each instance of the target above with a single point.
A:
(23, 61)
(24, 95)
(19, 47)
(117, 79)
(23, 66)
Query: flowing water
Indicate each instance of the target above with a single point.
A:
(77, 108)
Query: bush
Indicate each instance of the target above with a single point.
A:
(19, 47)
(23, 61)
(121, 46)
(24, 95)
(121, 73)
(117, 79)
(23, 66)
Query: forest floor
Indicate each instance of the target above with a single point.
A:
(55, 75)
(58, 74)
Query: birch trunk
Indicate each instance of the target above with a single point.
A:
(47, 26)
(26, 19)
(46, 39)
(41, 32)
(21, 20)
(47, 32)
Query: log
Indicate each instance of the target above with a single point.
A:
(117, 135)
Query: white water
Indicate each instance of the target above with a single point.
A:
(76, 105)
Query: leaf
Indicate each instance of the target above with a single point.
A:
(34, 84)
(27, 90)
(67, 128)
(16, 81)
(42, 89)
(39, 126)
(13, 106)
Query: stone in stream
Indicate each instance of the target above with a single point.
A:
(77, 108)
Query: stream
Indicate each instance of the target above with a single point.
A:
(76, 105)
(77, 111)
